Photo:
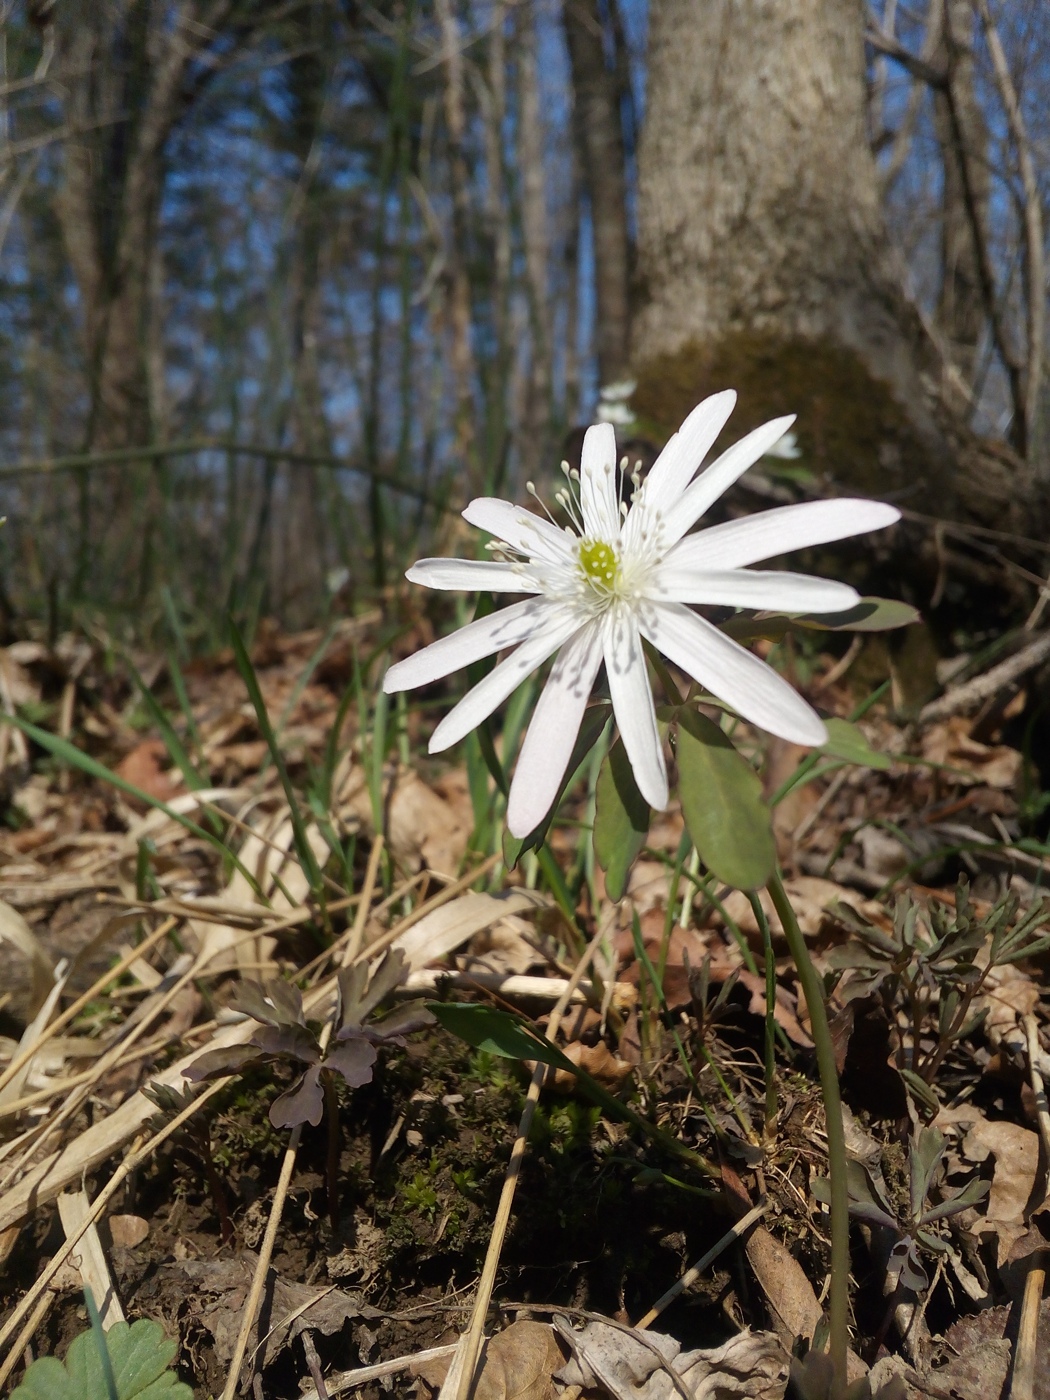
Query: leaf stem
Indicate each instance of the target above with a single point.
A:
(813, 991)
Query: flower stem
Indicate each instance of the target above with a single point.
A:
(813, 991)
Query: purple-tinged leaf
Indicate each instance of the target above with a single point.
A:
(411, 1016)
(353, 1059)
(302, 1103)
(288, 1042)
(275, 1004)
(214, 1063)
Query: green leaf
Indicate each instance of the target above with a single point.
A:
(621, 820)
(725, 813)
(193, 780)
(140, 1355)
(594, 721)
(869, 615)
(497, 1033)
(847, 741)
(921, 1091)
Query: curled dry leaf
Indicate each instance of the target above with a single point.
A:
(632, 1365)
(950, 743)
(598, 1061)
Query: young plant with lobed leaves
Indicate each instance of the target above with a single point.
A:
(285, 1037)
(917, 1233)
(931, 968)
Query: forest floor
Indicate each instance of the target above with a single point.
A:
(916, 877)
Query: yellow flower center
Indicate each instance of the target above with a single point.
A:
(599, 564)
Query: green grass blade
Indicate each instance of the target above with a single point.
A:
(302, 844)
(181, 759)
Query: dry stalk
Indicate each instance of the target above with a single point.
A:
(262, 1267)
(465, 1362)
(691, 1275)
(1022, 1382)
(1042, 1111)
(357, 933)
(351, 953)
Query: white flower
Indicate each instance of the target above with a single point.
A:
(615, 576)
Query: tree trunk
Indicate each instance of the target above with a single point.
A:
(129, 72)
(599, 140)
(764, 259)
(960, 304)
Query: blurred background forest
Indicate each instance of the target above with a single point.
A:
(283, 280)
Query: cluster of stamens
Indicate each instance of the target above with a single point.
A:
(598, 564)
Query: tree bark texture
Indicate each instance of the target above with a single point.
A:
(599, 140)
(960, 307)
(763, 256)
(126, 80)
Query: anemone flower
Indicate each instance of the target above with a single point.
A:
(614, 577)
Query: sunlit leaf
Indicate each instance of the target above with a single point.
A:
(215, 1063)
(497, 1033)
(353, 1059)
(621, 821)
(847, 741)
(725, 813)
(140, 1356)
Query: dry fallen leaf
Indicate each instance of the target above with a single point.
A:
(810, 898)
(517, 1364)
(597, 1060)
(422, 828)
(145, 767)
(127, 1231)
(633, 1365)
(1016, 1153)
(949, 742)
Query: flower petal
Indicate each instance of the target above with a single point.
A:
(552, 731)
(719, 476)
(739, 588)
(522, 529)
(733, 674)
(680, 460)
(632, 701)
(478, 639)
(471, 574)
(476, 706)
(754, 538)
(599, 498)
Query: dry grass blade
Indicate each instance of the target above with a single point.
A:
(73, 1211)
(691, 1275)
(339, 1384)
(1022, 1382)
